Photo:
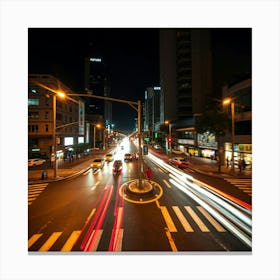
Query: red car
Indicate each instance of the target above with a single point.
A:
(179, 162)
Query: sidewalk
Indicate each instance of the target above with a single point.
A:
(210, 167)
(65, 169)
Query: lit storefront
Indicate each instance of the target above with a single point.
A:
(207, 145)
(241, 151)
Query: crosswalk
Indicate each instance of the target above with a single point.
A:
(189, 219)
(34, 191)
(244, 184)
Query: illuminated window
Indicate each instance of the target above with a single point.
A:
(46, 115)
(33, 115)
(33, 102)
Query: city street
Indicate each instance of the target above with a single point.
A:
(92, 212)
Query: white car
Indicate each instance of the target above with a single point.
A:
(35, 162)
(157, 147)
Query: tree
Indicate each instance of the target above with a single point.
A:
(215, 122)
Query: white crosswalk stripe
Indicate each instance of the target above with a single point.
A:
(244, 184)
(188, 217)
(34, 191)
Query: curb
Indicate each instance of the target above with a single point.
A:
(59, 178)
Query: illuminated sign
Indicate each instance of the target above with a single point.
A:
(156, 88)
(68, 141)
(93, 59)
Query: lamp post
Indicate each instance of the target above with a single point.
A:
(135, 105)
(169, 137)
(94, 133)
(231, 102)
(54, 131)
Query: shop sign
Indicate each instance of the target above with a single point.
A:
(245, 147)
(186, 141)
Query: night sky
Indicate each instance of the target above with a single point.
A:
(131, 56)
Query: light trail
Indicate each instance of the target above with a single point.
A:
(233, 213)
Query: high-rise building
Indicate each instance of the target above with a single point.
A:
(186, 80)
(97, 83)
(152, 111)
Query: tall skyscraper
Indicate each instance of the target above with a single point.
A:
(185, 70)
(97, 83)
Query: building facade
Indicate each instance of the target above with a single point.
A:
(241, 93)
(152, 113)
(186, 82)
(69, 123)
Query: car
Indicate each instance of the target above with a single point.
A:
(179, 162)
(157, 147)
(117, 167)
(128, 157)
(35, 162)
(109, 157)
(97, 163)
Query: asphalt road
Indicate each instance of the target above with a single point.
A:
(92, 213)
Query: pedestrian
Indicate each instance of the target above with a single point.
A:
(240, 165)
(243, 164)
(228, 161)
(149, 173)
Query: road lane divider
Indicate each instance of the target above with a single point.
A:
(166, 183)
(168, 220)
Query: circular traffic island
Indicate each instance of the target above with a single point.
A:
(141, 191)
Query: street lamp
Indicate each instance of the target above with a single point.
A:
(94, 133)
(227, 101)
(169, 140)
(62, 95)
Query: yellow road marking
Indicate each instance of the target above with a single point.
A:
(71, 241)
(167, 184)
(168, 219)
(217, 226)
(171, 241)
(48, 244)
(200, 224)
(33, 239)
(182, 219)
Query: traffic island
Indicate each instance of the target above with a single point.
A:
(141, 191)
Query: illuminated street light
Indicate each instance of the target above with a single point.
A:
(60, 94)
(169, 137)
(228, 101)
(94, 133)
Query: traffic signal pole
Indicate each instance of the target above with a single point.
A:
(138, 109)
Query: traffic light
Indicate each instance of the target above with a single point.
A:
(169, 139)
(145, 149)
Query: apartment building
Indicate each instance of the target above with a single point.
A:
(68, 123)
